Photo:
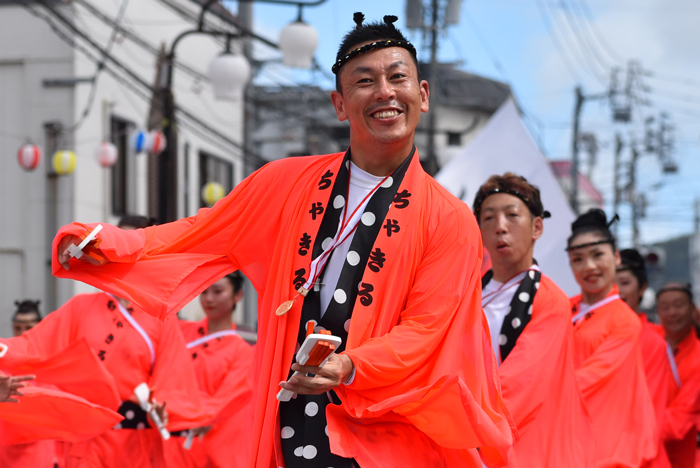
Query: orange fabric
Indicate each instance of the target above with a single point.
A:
(679, 425)
(224, 374)
(46, 413)
(118, 449)
(658, 374)
(610, 374)
(540, 389)
(426, 382)
(40, 454)
(126, 356)
(76, 369)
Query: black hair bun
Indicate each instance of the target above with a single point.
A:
(390, 19)
(632, 258)
(358, 18)
(594, 217)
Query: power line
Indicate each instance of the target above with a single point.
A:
(598, 34)
(100, 66)
(582, 44)
(555, 40)
(140, 81)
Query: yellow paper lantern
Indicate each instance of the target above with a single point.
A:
(64, 162)
(212, 193)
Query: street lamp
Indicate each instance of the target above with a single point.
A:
(229, 74)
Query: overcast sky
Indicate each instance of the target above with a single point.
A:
(542, 49)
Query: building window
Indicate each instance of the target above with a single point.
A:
(123, 190)
(214, 169)
(454, 139)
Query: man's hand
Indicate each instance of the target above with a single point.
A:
(10, 385)
(91, 252)
(336, 371)
(162, 413)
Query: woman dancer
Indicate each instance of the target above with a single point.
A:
(607, 357)
(222, 360)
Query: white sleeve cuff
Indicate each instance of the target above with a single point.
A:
(351, 378)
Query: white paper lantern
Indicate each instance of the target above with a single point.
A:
(29, 157)
(107, 154)
(229, 75)
(64, 162)
(157, 142)
(298, 42)
(212, 193)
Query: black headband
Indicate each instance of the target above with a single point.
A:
(389, 20)
(372, 46)
(590, 244)
(477, 204)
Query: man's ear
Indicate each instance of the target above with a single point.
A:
(537, 227)
(339, 104)
(424, 96)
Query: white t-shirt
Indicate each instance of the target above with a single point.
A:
(361, 184)
(497, 305)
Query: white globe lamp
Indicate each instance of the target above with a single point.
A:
(229, 75)
(298, 42)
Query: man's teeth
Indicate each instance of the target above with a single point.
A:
(386, 114)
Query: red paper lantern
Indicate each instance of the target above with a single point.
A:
(29, 157)
(157, 142)
(107, 154)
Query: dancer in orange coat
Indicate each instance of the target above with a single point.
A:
(368, 246)
(223, 361)
(134, 347)
(676, 312)
(530, 323)
(609, 366)
(631, 279)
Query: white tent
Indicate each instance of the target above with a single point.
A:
(505, 145)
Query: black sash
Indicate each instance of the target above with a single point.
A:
(304, 435)
(520, 310)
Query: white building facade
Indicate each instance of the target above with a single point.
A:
(48, 80)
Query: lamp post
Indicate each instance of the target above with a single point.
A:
(229, 74)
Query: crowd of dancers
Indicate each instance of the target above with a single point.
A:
(451, 346)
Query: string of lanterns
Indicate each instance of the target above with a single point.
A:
(64, 161)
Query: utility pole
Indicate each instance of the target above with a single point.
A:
(431, 164)
(697, 215)
(632, 190)
(573, 194)
(618, 190)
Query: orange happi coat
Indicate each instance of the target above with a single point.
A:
(679, 427)
(658, 374)
(96, 319)
(426, 389)
(540, 390)
(610, 374)
(224, 369)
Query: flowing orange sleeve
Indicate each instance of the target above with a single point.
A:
(175, 382)
(683, 411)
(162, 268)
(607, 358)
(53, 352)
(540, 390)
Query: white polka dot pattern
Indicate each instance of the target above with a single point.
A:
(353, 258)
(340, 296)
(311, 409)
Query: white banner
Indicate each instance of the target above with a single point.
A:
(505, 145)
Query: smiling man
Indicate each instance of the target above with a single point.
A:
(676, 311)
(531, 333)
(362, 243)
